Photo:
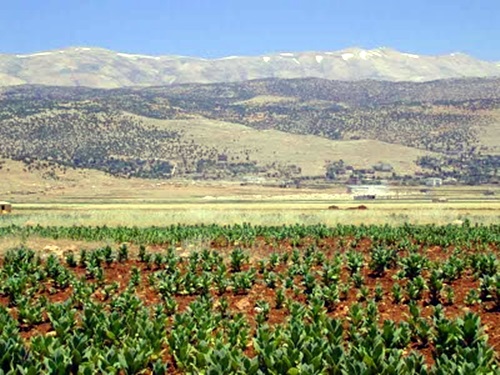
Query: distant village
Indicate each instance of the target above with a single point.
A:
(360, 183)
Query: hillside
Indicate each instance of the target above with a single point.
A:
(97, 67)
(280, 129)
(308, 152)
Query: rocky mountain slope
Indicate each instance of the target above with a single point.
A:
(97, 67)
(274, 127)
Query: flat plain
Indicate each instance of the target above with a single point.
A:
(247, 268)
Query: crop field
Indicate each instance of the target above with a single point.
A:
(251, 299)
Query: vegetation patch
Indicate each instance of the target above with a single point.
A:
(92, 128)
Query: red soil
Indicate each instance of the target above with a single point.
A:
(121, 272)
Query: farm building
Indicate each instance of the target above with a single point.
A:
(5, 207)
(383, 167)
(253, 180)
(434, 181)
(367, 189)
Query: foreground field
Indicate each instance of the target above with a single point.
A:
(253, 300)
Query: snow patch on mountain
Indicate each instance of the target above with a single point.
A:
(135, 56)
(377, 53)
(34, 55)
(229, 58)
(347, 56)
(411, 55)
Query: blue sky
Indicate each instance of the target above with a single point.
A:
(216, 28)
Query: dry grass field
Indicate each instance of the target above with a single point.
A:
(309, 152)
(255, 212)
(93, 198)
(20, 186)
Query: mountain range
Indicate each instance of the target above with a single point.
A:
(102, 68)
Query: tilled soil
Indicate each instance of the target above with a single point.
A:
(245, 303)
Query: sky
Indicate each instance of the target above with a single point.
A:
(218, 28)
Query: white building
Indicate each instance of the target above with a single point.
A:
(434, 181)
(368, 190)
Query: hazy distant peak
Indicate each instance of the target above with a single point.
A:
(99, 67)
(356, 51)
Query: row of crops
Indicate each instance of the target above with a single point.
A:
(343, 300)
(247, 234)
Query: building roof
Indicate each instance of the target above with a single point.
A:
(367, 187)
(4, 203)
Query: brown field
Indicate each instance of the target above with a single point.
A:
(119, 273)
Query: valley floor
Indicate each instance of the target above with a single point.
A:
(258, 212)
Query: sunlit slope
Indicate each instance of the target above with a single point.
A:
(309, 152)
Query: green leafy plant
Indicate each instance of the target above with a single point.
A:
(379, 292)
(70, 259)
(238, 258)
(381, 260)
(123, 253)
